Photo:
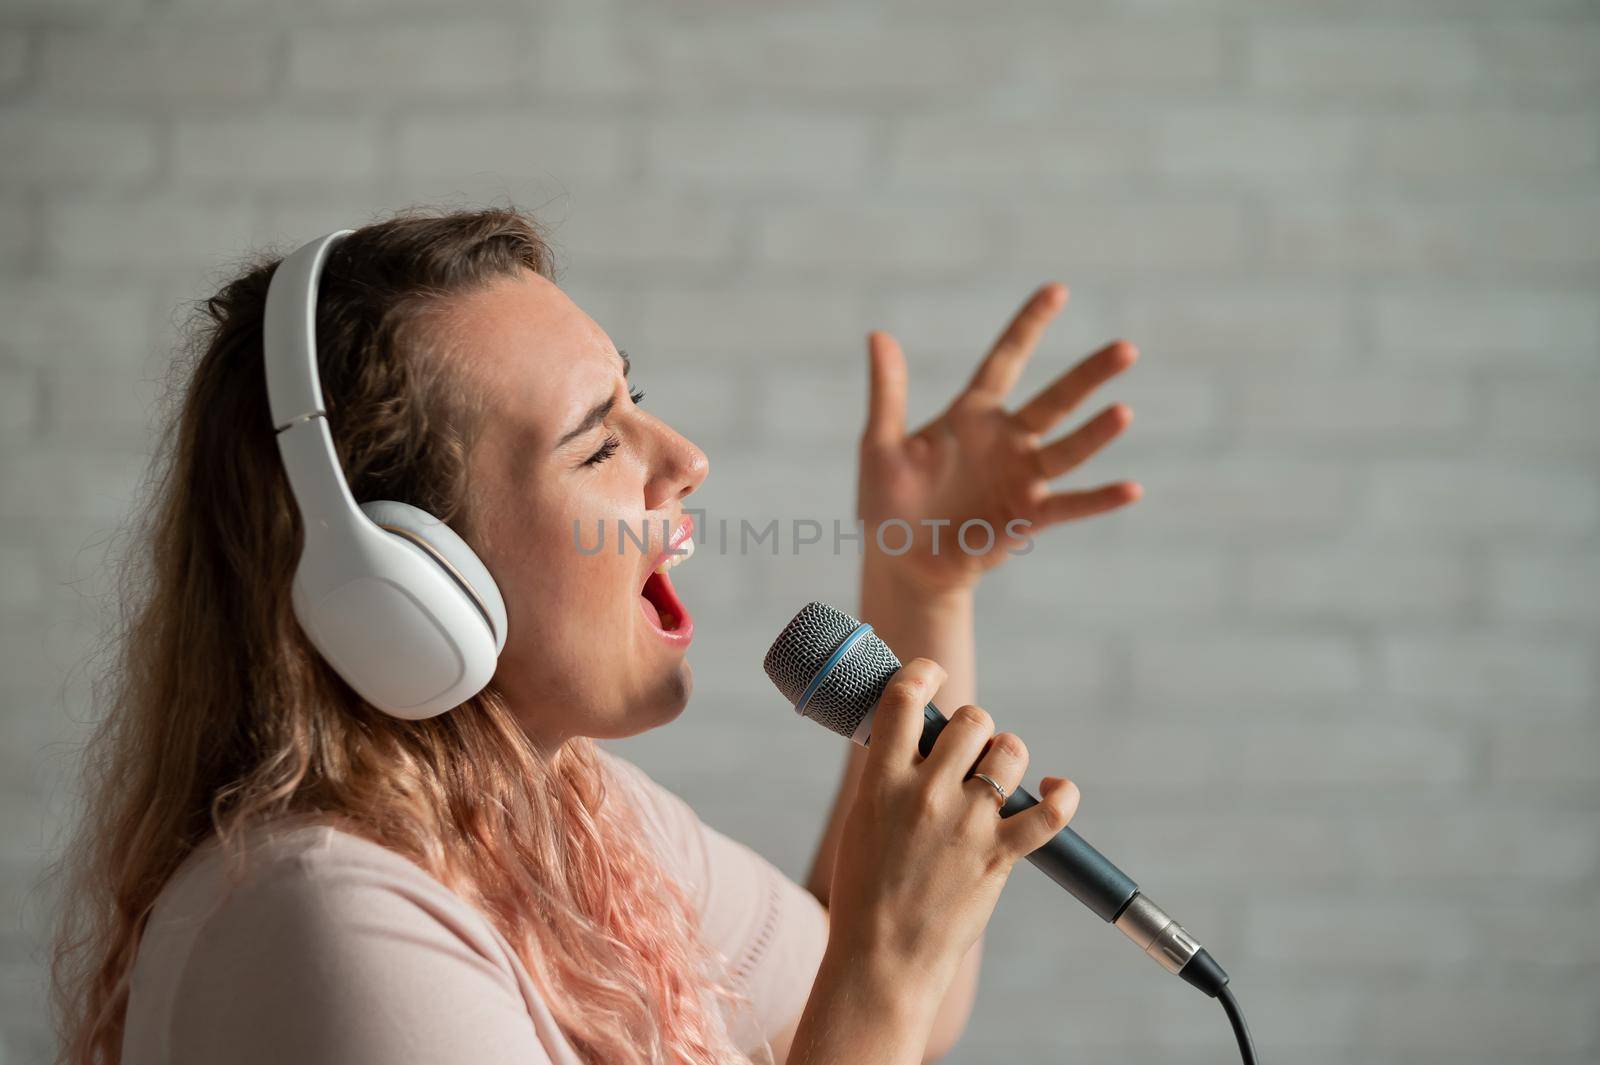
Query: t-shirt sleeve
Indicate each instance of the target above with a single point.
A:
(771, 931)
(318, 965)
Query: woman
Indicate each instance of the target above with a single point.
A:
(269, 869)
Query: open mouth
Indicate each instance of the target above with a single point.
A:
(661, 604)
(658, 599)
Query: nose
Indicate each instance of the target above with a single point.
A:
(677, 468)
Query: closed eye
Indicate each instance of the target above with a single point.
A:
(605, 451)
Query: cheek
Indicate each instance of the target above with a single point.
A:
(548, 564)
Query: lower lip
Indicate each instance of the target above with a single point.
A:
(675, 637)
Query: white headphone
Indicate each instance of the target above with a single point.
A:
(396, 602)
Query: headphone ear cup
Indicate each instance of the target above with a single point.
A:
(391, 609)
(422, 531)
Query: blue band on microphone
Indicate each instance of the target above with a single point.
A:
(827, 667)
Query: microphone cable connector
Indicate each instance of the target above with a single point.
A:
(1153, 931)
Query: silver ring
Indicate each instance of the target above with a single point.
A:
(993, 783)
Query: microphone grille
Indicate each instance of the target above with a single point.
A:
(804, 645)
(852, 686)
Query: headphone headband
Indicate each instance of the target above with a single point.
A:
(394, 600)
(294, 389)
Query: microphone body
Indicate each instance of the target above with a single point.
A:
(833, 669)
(1068, 859)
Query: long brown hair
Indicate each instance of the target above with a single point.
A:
(219, 716)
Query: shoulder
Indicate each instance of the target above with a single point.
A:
(334, 900)
(309, 876)
(327, 946)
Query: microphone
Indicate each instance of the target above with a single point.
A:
(833, 668)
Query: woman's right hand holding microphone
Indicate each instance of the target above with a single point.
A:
(921, 862)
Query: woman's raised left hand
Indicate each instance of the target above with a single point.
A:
(978, 461)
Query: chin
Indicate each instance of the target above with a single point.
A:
(675, 690)
(664, 703)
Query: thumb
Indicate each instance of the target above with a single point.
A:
(886, 390)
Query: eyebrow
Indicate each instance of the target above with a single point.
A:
(599, 411)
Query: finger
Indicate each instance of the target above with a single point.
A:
(1076, 447)
(1003, 365)
(897, 719)
(1023, 833)
(956, 750)
(1004, 760)
(1069, 506)
(886, 390)
(1057, 399)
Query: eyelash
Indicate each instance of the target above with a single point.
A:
(609, 447)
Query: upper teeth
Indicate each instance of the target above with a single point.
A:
(684, 550)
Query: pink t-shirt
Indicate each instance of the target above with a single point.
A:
(338, 950)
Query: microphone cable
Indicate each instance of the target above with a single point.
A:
(1201, 971)
(1247, 1049)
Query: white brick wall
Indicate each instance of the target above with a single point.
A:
(1331, 689)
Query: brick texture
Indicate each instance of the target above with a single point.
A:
(1330, 689)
